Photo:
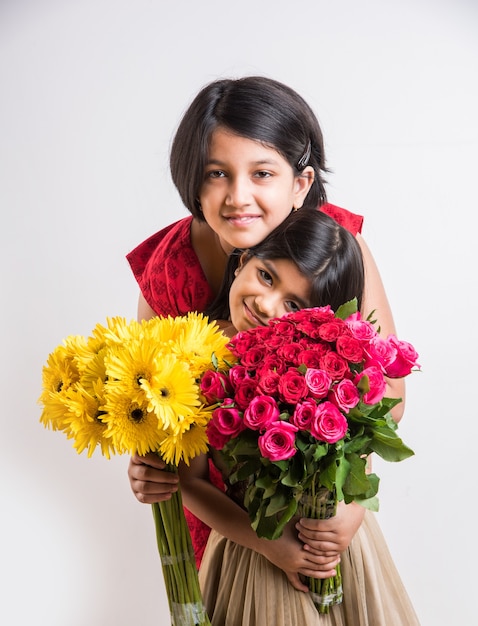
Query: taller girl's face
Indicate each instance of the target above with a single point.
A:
(264, 289)
(248, 189)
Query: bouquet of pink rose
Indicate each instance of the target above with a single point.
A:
(299, 413)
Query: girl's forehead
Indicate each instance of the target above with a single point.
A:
(225, 143)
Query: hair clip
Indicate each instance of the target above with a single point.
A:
(304, 159)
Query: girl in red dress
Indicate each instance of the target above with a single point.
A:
(246, 154)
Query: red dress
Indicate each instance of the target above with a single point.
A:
(172, 282)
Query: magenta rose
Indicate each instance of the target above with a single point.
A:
(380, 352)
(216, 438)
(237, 374)
(318, 382)
(215, 386)
(292, 386)
(329, 424)
(261, 412)
(405, 360)
(376, 384)
(345, 395)
(303, 415)
(278, 442)
(228, 421)
(360, 329)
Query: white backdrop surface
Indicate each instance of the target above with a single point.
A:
(90, 94)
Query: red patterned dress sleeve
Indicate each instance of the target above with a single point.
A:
(347, 219)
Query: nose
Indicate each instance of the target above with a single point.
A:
(269, 306)
(238, 192)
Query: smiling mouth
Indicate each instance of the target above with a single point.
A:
(242, 220)
(252, 317)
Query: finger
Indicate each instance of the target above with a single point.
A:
(296, 582)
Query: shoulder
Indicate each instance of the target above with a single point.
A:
(159, 244)
(351, 221)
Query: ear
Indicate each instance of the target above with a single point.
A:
(242, 261)
(303, 183)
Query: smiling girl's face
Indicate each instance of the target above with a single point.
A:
(248, 189)
(264, 289)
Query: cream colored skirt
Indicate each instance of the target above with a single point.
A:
(242, 588)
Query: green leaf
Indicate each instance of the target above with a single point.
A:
(347, 309)
(296, 472)
(387, 444)
(357, 481)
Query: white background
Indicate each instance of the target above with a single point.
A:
(91, 92)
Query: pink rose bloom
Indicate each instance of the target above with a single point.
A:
(335, 365)
(303, 414)
(228, 421)
(381, 352)
(261, 412)
(350, 348)
(216, 438)
(345, 395)
(292, 387)
(405, 360)
(237, 374)
(245, 392)
(329, 424)
(360, 329)
(278, 442)
(318, 382)
(376, 382)
(215, 386)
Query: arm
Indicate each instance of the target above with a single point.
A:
(375, 299)
(218, 511)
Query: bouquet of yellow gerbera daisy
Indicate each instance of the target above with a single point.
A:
(133, 387)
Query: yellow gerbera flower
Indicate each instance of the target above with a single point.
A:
(59, 373)
(171, 391)
(130, 425)
(55, 414)
(199, 341)
(118, 331)
(85, 421)
(187, 443)
(130, 366)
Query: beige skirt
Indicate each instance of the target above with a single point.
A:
(242, 588)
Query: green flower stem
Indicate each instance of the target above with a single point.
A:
(178, 563)
(320, 503)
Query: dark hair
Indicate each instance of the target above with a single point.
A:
(323, 251)
(254, 107)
